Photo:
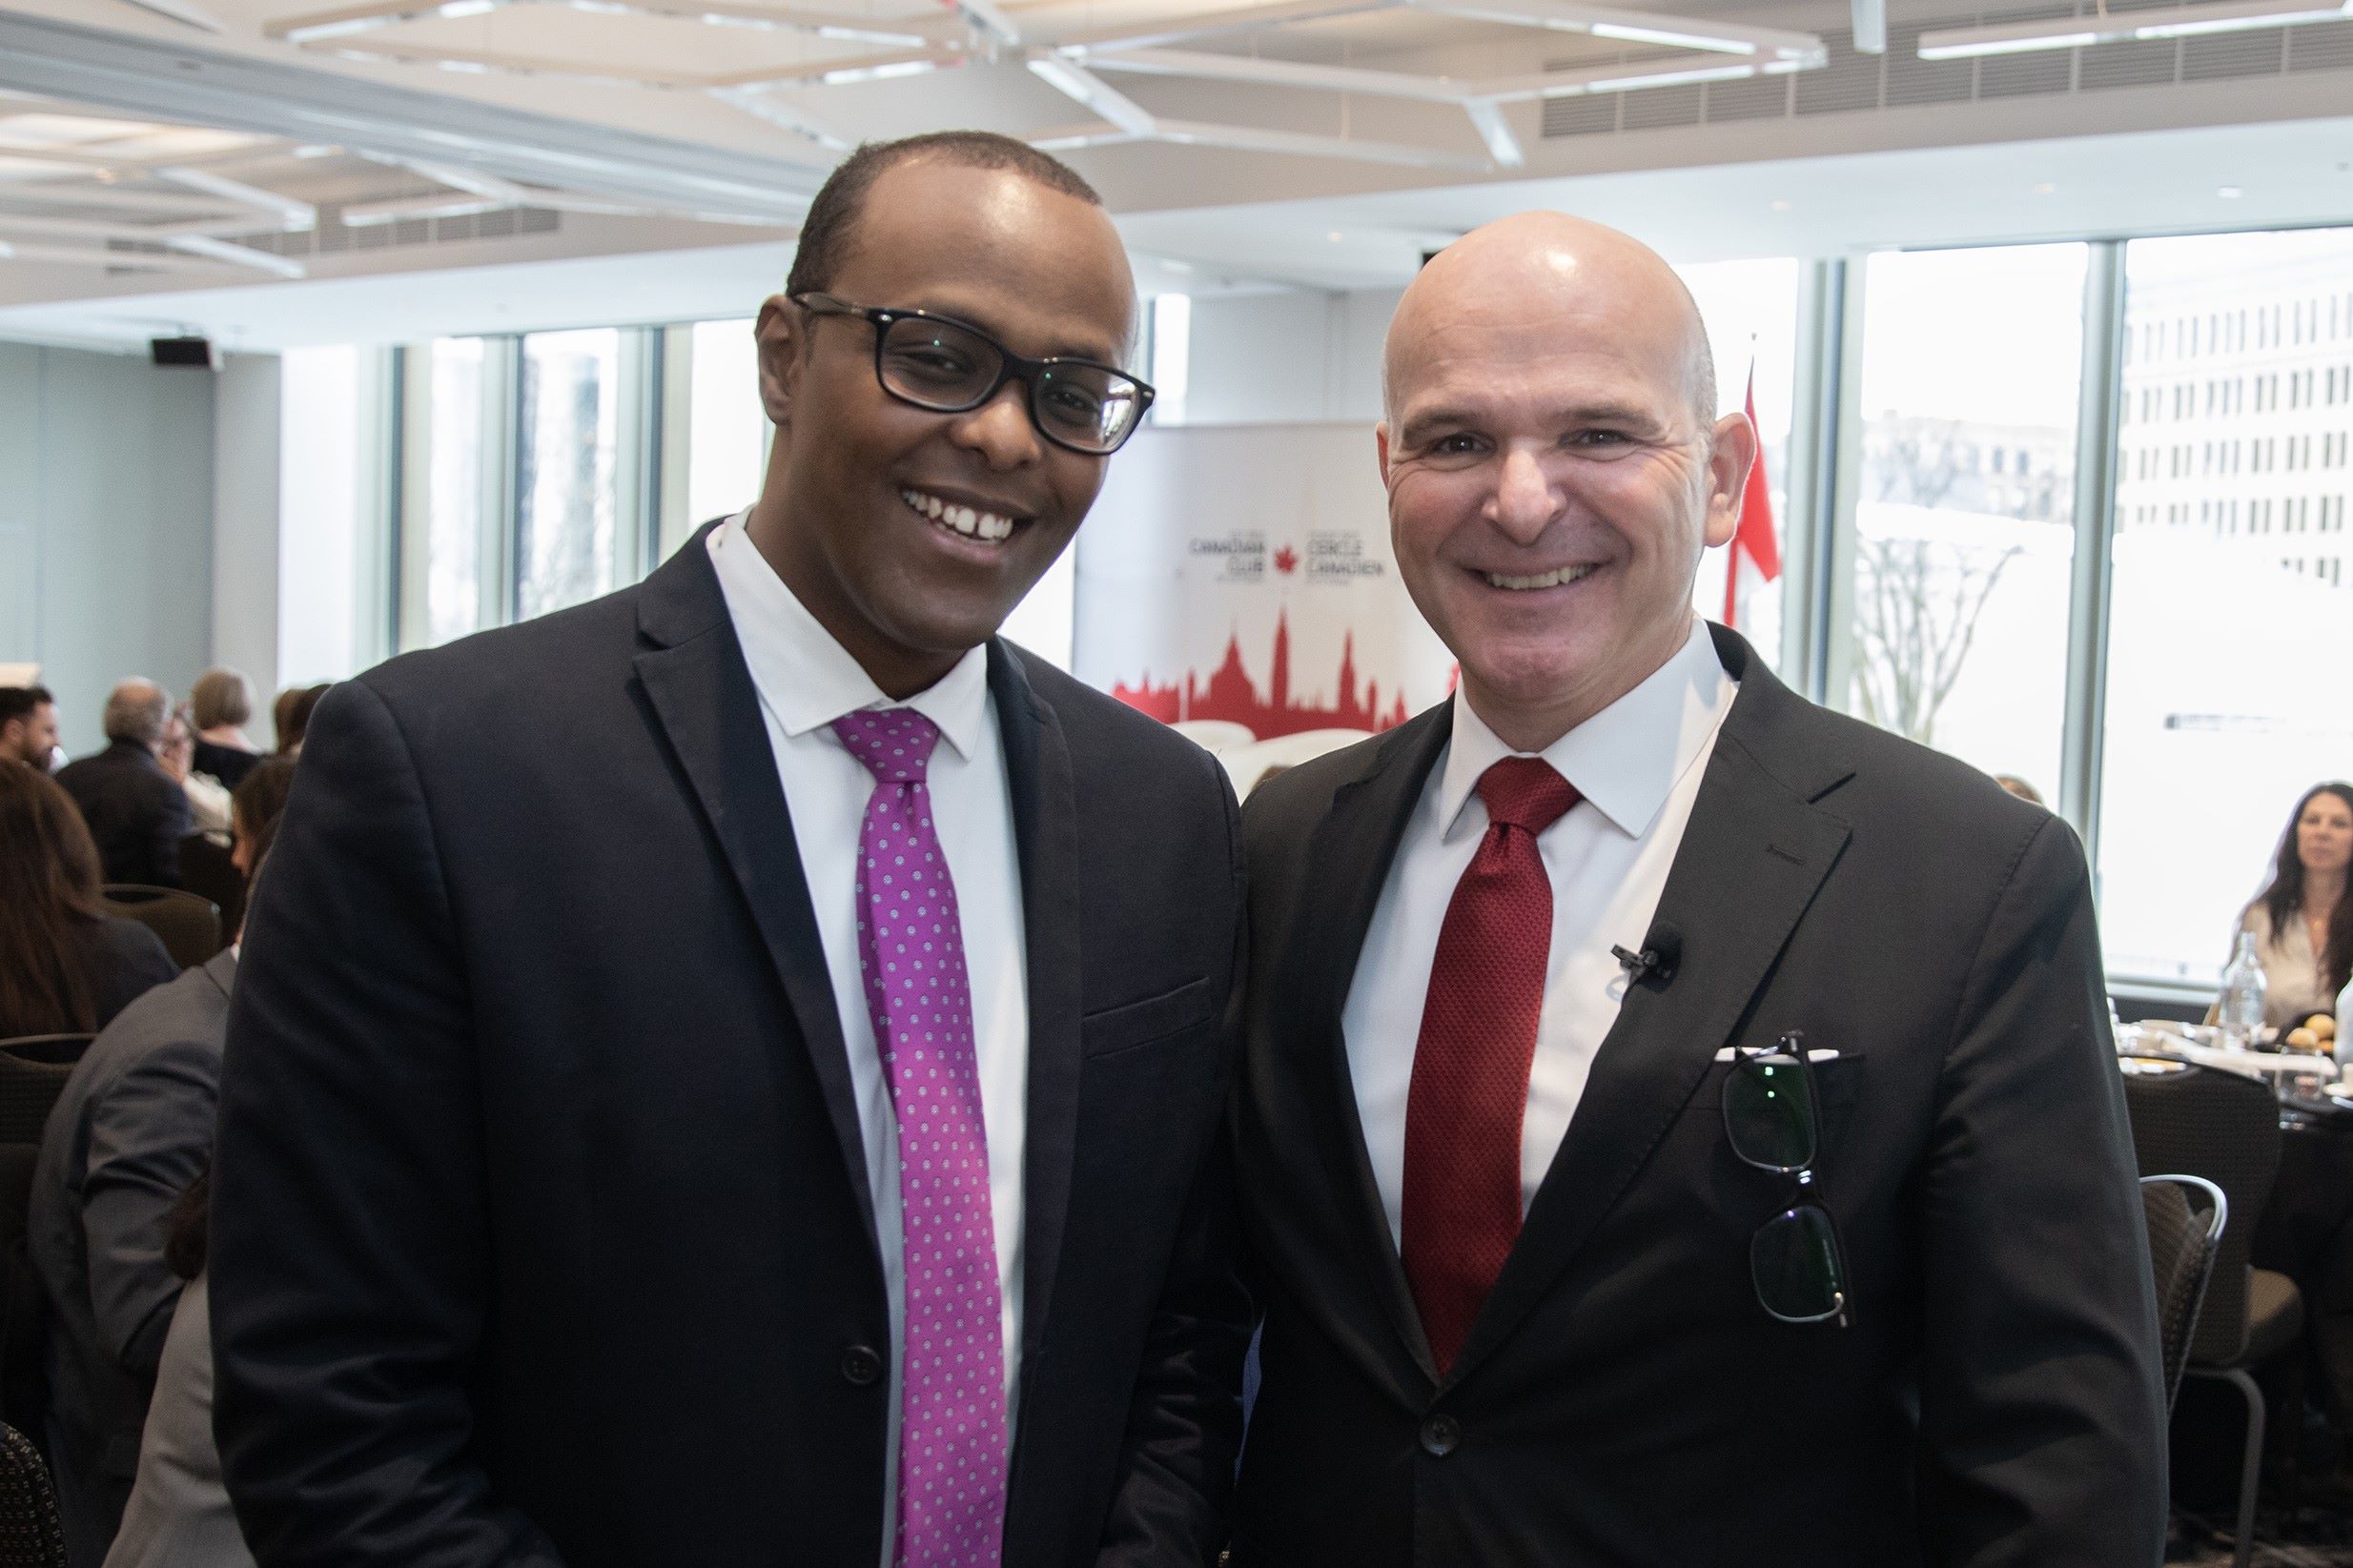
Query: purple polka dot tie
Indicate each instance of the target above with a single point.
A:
(952, 1440)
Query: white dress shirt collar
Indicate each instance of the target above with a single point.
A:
(1625, 758)
(806, 677)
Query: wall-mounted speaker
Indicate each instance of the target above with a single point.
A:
(190, 352)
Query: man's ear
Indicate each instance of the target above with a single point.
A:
(782, 335)
(1728, 462)
(1380, 450)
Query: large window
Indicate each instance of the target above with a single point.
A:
(457, 419)
(567, 537)
(1964, 514)
(2226, 681)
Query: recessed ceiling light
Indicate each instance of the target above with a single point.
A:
(2229, 193)
(2046, 189)
(1783, 206)
(1335, 237)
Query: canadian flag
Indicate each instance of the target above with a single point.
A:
(1755, 557)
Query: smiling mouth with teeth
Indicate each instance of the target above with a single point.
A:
(969, 521)
(1547, 579)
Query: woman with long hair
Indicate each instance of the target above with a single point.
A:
(66, 966)
(2302, 919)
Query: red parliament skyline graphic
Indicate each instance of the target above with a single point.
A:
(1231, 695)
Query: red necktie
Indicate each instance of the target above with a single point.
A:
(1460, 1210)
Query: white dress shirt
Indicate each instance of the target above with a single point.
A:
(806, 681)
(1637, 765)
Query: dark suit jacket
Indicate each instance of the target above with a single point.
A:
(130, 1130)
(542, 1231)
(1623, 1399)
(135, 810)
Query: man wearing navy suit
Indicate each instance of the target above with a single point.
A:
(1678, 1124)
(728, 1072)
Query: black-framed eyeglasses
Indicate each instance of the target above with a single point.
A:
(947, 367)
(1773, 1118)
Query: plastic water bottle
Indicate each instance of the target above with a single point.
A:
(2241, 1013)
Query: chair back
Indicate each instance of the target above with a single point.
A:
(30, 1535)
(2204, 1122)
(33, 1069)
(207, 871)
(2187, 1217)
(186, 923)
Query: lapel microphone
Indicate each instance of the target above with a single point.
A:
(1662, 951)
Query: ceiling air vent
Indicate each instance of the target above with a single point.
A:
(1853, 83)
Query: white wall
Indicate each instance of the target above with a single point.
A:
(106, 524)
(245, 509)
(1308, 355)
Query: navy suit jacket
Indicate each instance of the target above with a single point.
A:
(543, 1233)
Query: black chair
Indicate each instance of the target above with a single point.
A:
(33, 1069)
(186, 923)
(207, 871)
(30, 1534)
(2225, 1128)
(2186, 1216)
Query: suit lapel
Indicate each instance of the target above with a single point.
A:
(1045, 808)
(1752, 857)
(1349, 857)
(701, 692)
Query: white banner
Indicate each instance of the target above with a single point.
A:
(1242, 574)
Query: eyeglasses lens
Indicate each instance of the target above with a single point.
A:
(1794, 1263)
(1768, 1115)
(939, 366)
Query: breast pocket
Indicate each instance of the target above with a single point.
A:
(1149, 1021)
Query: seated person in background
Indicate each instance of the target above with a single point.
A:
(137, 811)
(131, 1131)
(178, 1516)
(2302, 919)
(219, 708)
(27, 725)
(66, 966)
(207, 798)
(292, 715)
(254, 812)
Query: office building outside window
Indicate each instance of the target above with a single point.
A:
(2226, 689)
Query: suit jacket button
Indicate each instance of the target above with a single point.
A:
(1441, 1436)
(861, 1367)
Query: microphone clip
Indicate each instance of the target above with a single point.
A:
(1656, 960)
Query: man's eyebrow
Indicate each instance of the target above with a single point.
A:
(1060, 349)
(1441, 416)
(1455, 416)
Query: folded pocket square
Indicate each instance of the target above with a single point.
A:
(1824, 1055)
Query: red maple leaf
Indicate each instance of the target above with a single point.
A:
(1286, 559)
